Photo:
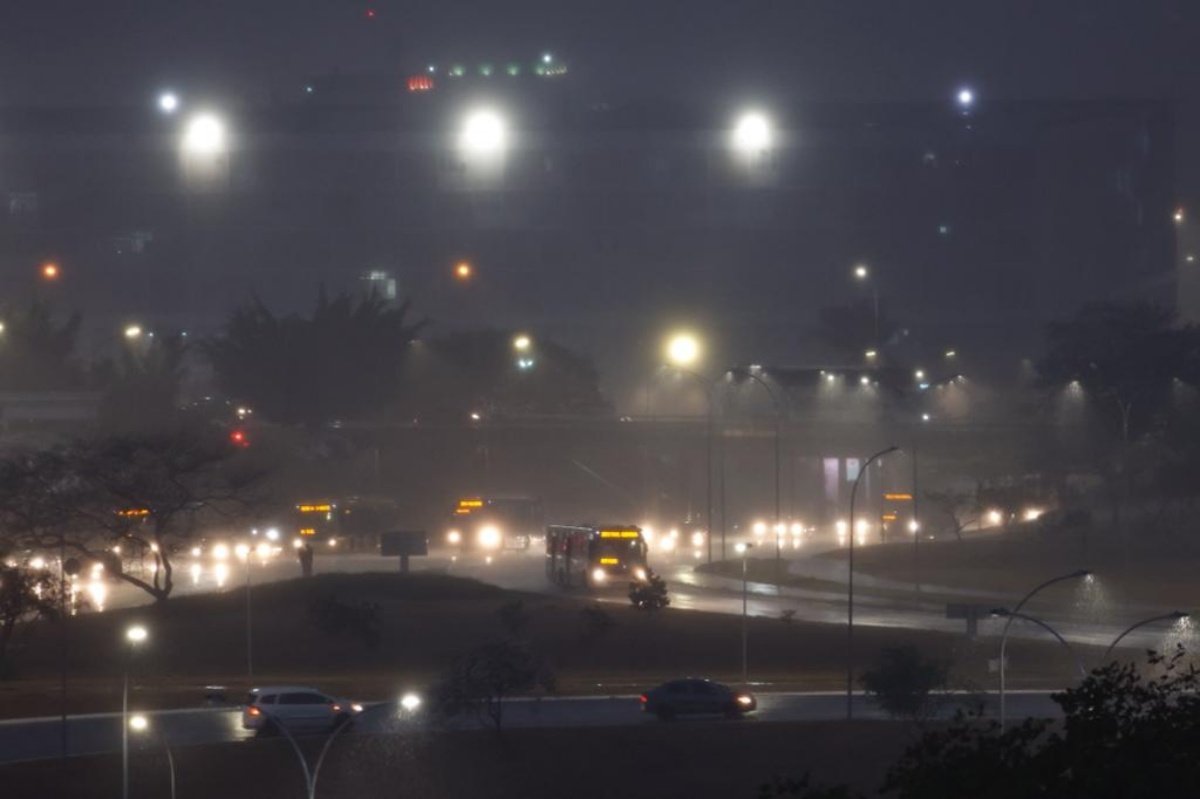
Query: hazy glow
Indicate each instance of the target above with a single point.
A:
(483, 133)
(133, 331)
(522, 342)
(204, 135)
(410, 702)
(168, 102)
(136, 634)
(752, 134)
(683, 349)
(966, 97)
(138, 723)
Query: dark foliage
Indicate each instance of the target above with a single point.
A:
(480, 681)
(39, 352)
(26, 594)
(343, 362)
(903, 682)
(1125, 734)
(513, 617)
(142, 385)
(597, 622)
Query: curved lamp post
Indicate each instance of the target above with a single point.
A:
(1015, 613)
(744, 550)
(409, 703)
(750, 374)
(1174, 617)
(1012, 614)
(850, 584)
(139, 724)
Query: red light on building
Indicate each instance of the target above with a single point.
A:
(420, 83)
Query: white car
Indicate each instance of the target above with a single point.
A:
(296, 707)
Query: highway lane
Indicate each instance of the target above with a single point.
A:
(35, 739)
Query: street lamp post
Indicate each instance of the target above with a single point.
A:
(140, 723)
(863, 274)
(1014, 613)
(779, 414)
(682, 351)
(1174, 617)
(133, 636)
(744, 550)
(850, 584)
(243, 551)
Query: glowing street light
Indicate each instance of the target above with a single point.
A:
(410, 702)
(133, 332)
(683, 349)
(752, 134)
(522, 342)
(965, 97)
(168, 102)
(134, 635)
(50, 271)
(204, 135)
(861, 272)
(484, 133)
(463, 271)
(1176, 617)
(141, 725)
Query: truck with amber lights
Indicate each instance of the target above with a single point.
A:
(490, 524)
(595, 556)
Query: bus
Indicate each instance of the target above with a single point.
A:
(593, 556)
(489, 524)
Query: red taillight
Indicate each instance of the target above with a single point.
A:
(253, 711)
(644, 699)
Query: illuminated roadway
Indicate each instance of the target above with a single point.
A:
(35, 739)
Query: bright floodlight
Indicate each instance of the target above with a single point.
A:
(136, 634)
(168, 102)
(410, 702)
(752, 134)
(861, 272)
(139, 723)
(204, 135)
(683, 349)
(522, 342)
(966, 97)
(483, 133)
(133, 331)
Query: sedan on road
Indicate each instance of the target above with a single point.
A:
(296, 707)
(693, 697)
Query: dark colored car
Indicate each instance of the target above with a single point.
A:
(696, 697)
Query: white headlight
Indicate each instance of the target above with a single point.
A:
(489, 537)
(640, 574)
(410, 702)
(454, 537)
(598, 575)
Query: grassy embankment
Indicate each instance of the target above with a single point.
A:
(427, 620)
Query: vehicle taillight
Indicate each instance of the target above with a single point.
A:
(644, 699)
(253, 711)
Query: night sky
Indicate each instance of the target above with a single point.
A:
(70, 51)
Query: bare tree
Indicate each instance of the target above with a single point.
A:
(959, 509)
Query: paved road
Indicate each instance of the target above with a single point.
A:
(34, 739)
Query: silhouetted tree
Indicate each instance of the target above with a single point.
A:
(37, 352)
(1124, 359)
(902, 682)
(959, 509)
(26, 594)
(142, 384)
(480, 681)
(481, 371)
(342, 362)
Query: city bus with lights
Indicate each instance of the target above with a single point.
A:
(592, 556)
(490, 524)
(315, 522)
